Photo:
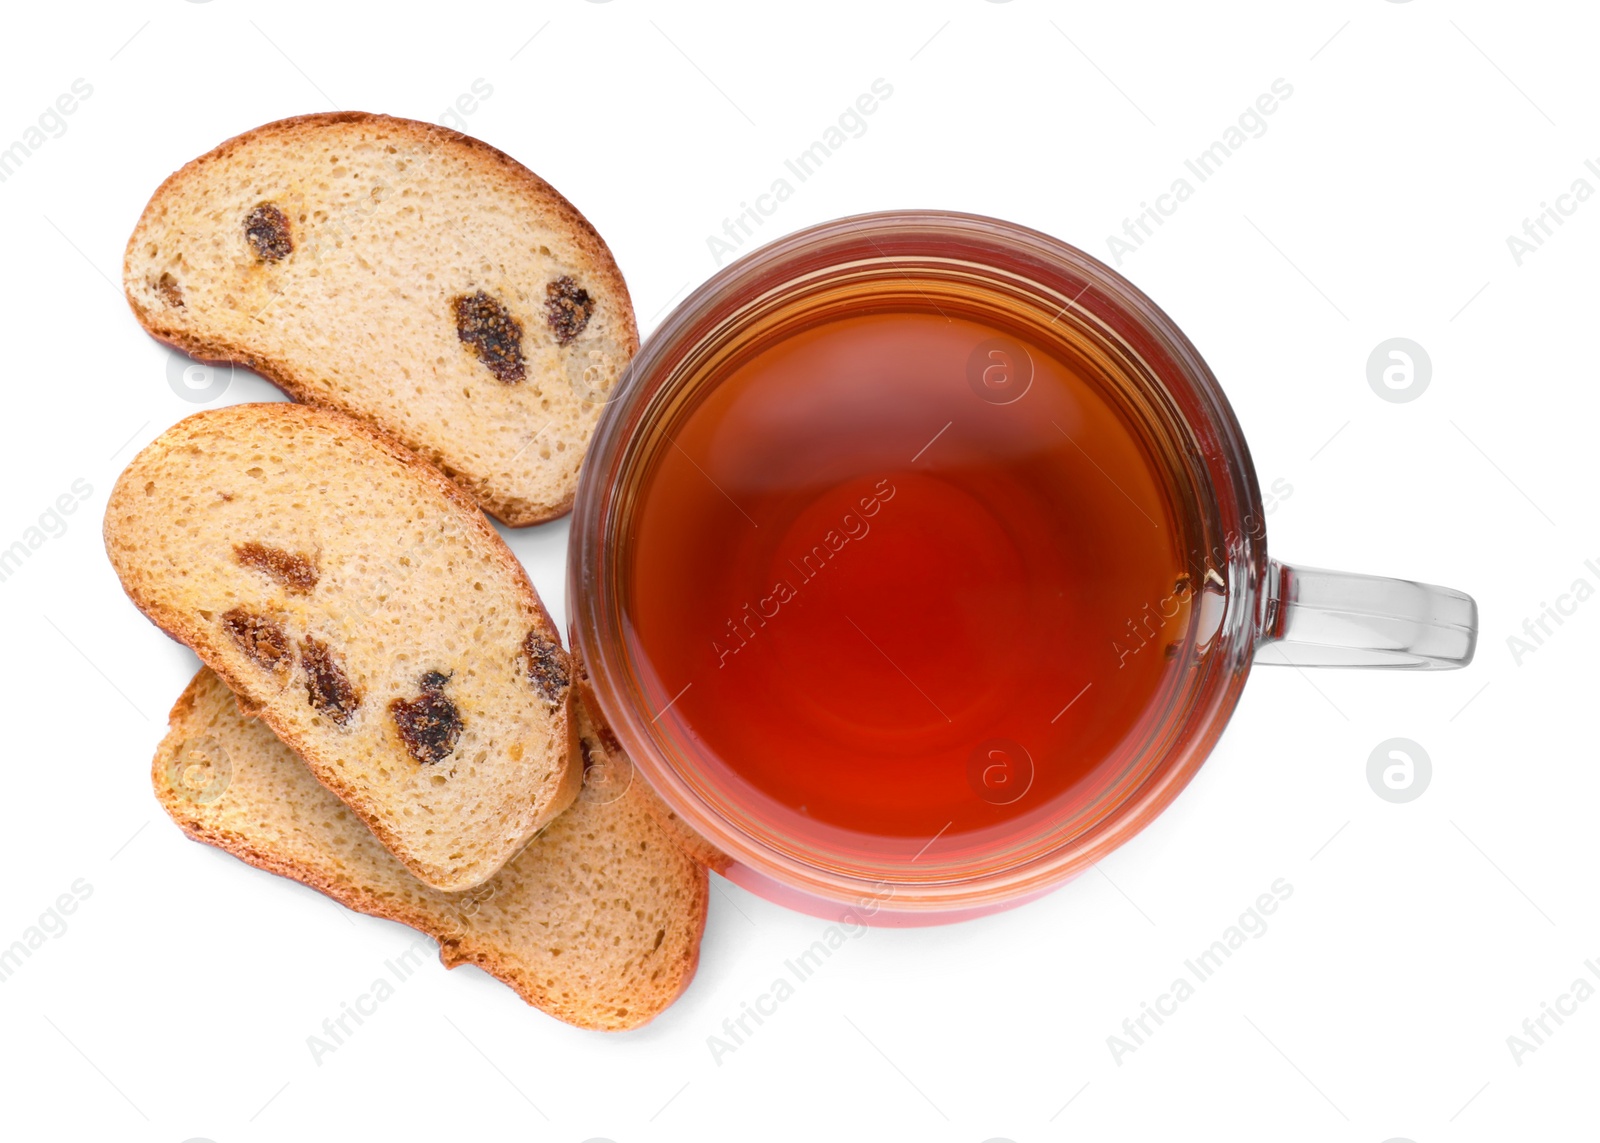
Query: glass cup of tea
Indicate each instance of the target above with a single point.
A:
(918, 562)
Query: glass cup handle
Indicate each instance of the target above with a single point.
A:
(1316, 618)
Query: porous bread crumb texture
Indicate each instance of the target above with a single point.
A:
(386, 584)
(389, 222)
(597, 921)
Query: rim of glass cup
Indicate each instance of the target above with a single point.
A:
(1232, 541)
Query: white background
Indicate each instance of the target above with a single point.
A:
(1377, 204)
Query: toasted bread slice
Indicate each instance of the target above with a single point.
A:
(403, 273)
(357, 601)
(597, 920)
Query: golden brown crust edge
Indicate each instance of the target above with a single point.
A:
(560, 791)
(513, 512)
